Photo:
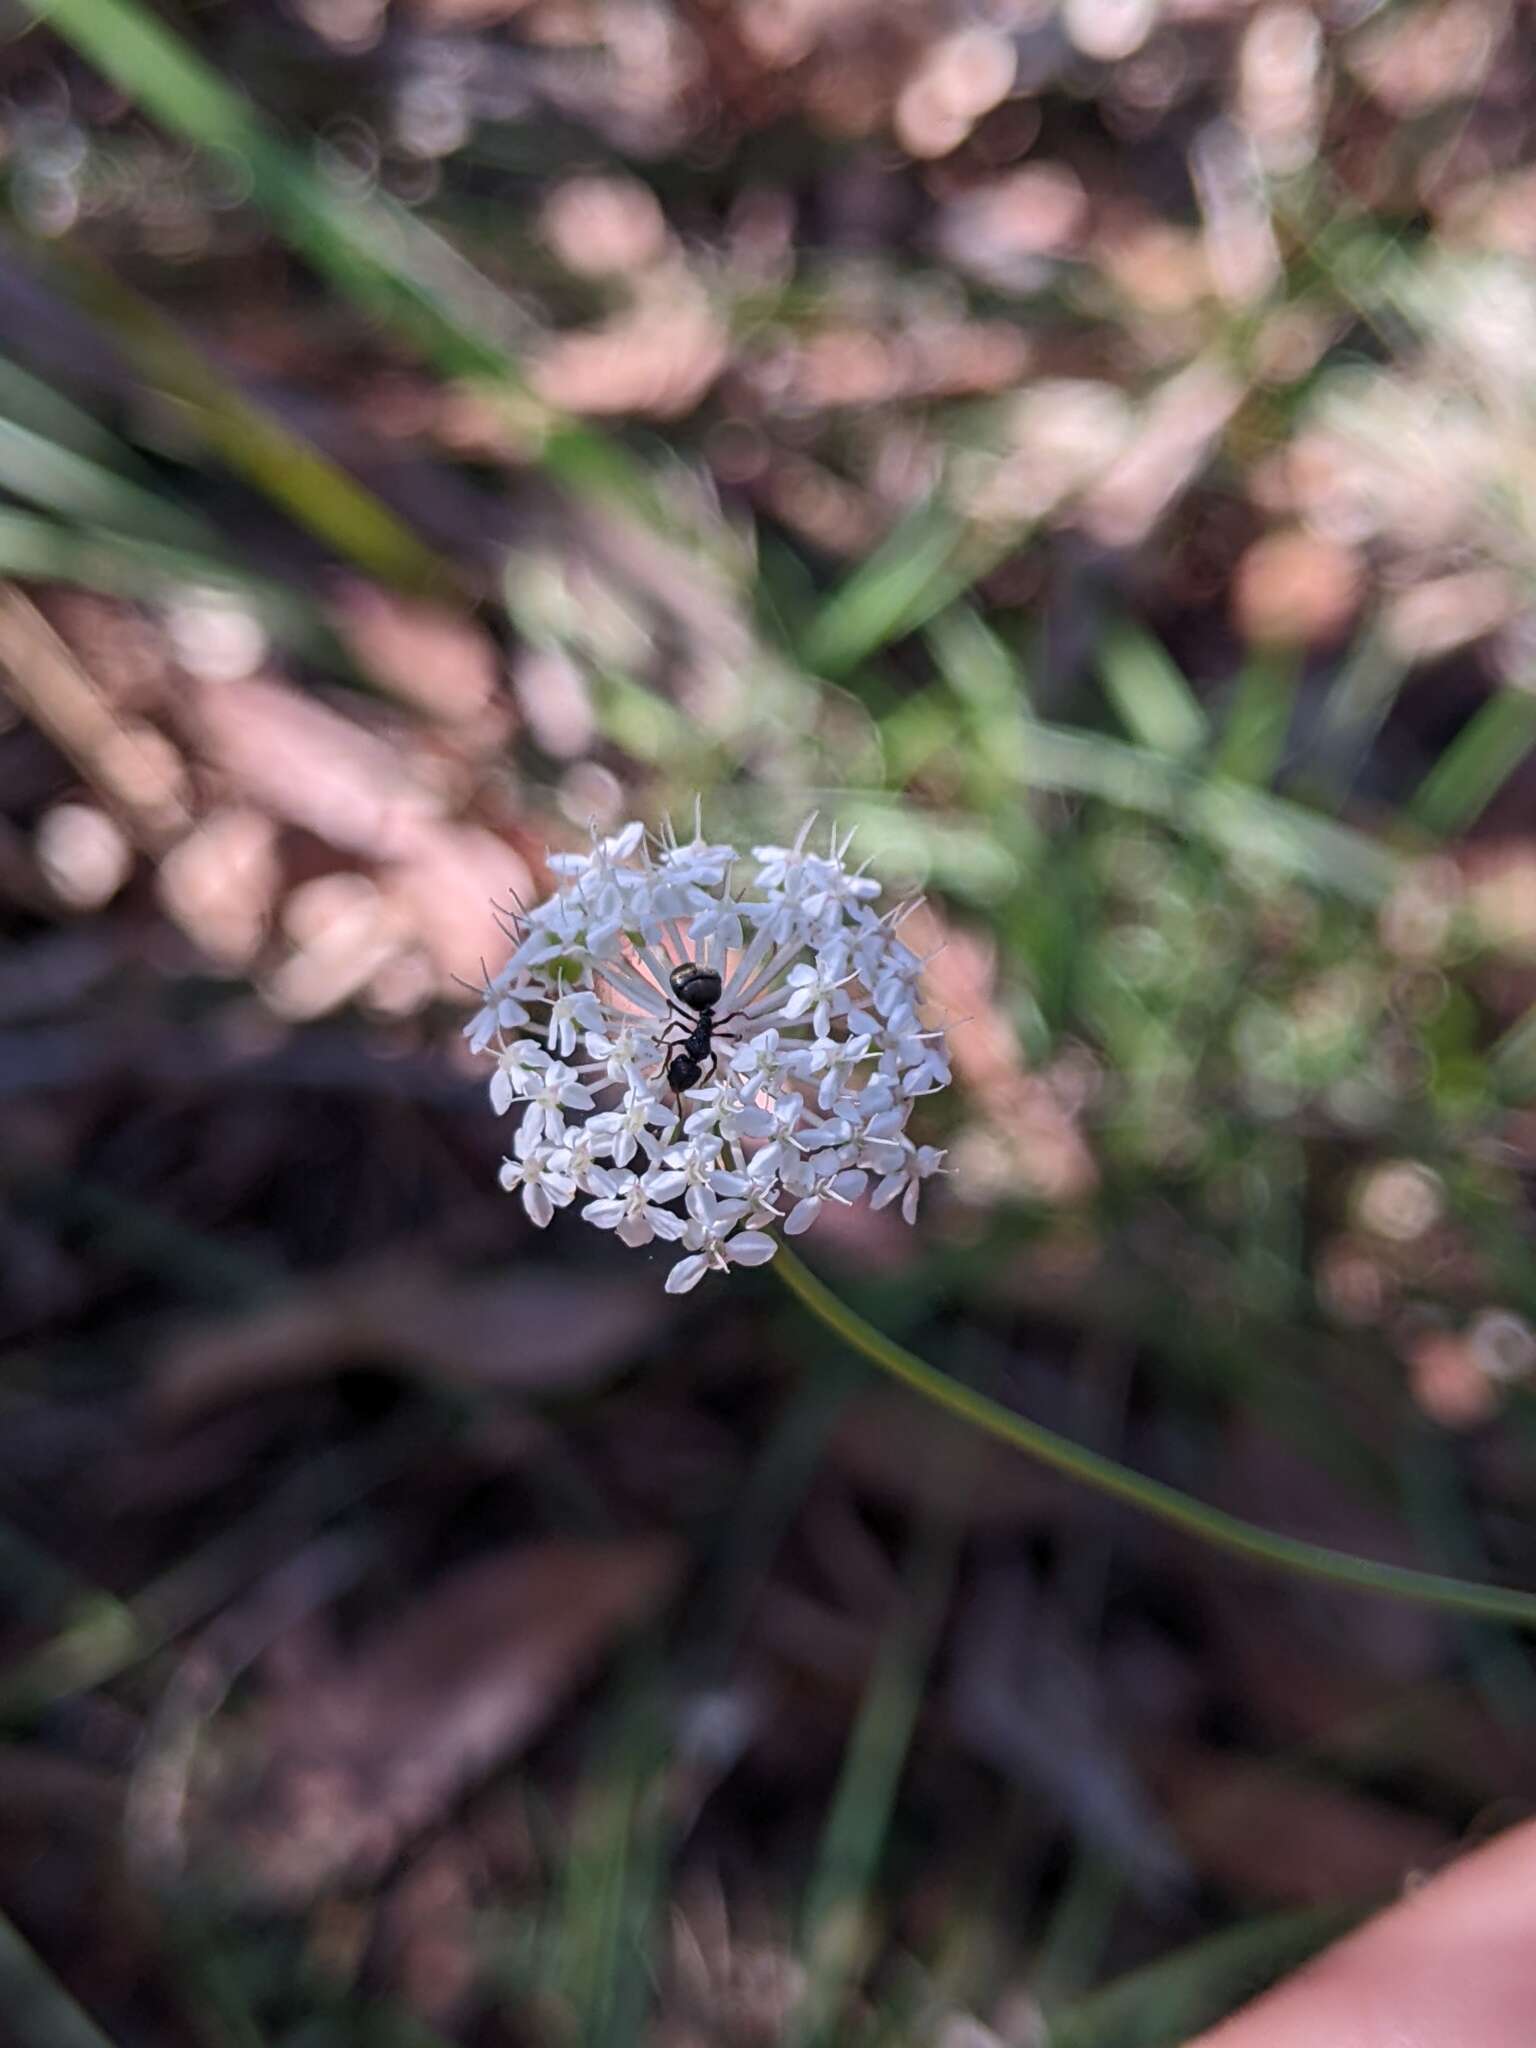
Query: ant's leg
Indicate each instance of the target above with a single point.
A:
(668, 1046)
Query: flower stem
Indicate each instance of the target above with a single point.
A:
(1210, 1525)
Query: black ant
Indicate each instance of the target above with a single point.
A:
(699, 988)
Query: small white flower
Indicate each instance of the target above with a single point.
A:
(920, 1163)
(828, 1178)
(500, 1013)
(816, 988)
(624, 1132)
(514, 1065)
(570, 1014)
(631, 1210)
(542, 1172)
(712, 1243)
(550, 1090)
(695, 1164)
(582, 1147)
(620, 1055)
(836, 1061)
(813, 1053)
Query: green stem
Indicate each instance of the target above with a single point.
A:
(1150, 1496)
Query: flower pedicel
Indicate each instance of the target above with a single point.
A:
(811, 1051)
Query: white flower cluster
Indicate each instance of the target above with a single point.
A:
(783, 1082)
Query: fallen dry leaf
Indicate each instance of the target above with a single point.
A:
(1265, 1479)
(900, 1452)
(524, 1331)
(129, 763)
(1032, 1133)
(1294, 589)
(448, 886)
(1276, 1835)
(357, 1760)
(305, 763)
(427, 655)
(657, 359)
(220, 883)
(1177, 432)
(1025, 1696)
(1297, 1692)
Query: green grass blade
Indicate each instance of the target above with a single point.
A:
(920, 730)
(31, 403)
(1168, 2001)
(956, 854)
(35, 2004)
(44, 473)
(1446, 1527)
(600, 1956)
(990, 694)
(317, 493)
(1249, 825)
(980, 670)
(1358, 703)
(34, 549)
(865, 1799)
(1513, 1059)
(926, 563)
(1151, 695)
(1081, 1924)
(1477, 763)
(366, 246)
(774, 1489)
(384, 258)
(1245, 822)
(1258, 721)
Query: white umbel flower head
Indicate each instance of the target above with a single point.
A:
(709, 1045)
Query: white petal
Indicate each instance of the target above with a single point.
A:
(752, 1248)
(802, 1216)
(540, 1208)
(606, 1215)
(618, 846)
(687, 1273)
(503, 1095)
(665, 1224)
(753, 1122)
